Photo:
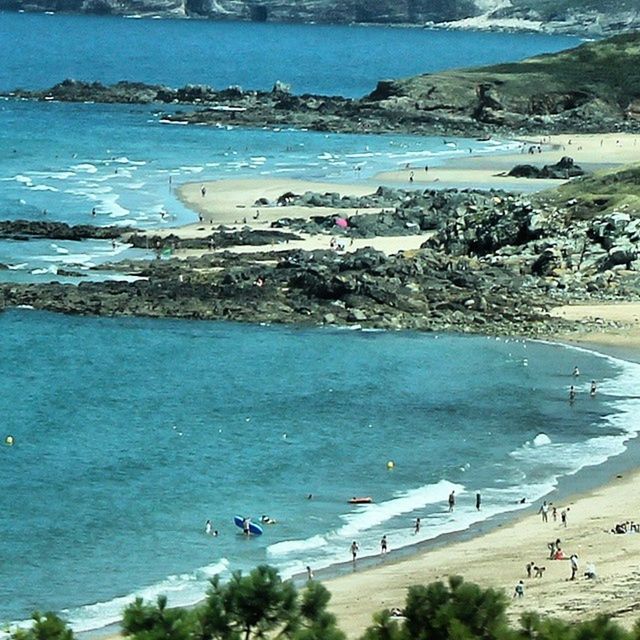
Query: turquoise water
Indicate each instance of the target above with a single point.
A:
(129, 434)
(61, 161)
(39, 50)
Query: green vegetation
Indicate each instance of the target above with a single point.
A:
(261, 605)
(607, 71)
(603, 192)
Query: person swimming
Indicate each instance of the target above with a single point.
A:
(265, 519)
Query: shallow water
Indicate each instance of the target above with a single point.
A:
(131, 433)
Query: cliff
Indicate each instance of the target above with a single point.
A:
(595, 17)
(328, 11)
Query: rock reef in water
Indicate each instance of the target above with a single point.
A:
(594, 17)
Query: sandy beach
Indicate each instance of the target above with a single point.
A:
(590, 151)
(498, 557)
(233, 202)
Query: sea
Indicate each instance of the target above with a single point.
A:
(122, 437)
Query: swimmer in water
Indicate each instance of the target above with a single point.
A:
(592, 392)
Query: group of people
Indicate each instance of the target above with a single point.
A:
(246, 525)
(573, 391)
(626, 527)
(544, 512)
(534, 570)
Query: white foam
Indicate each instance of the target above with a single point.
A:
(125, 160)
(25, 180)
(295, 546)
(371, 515)
(541, 439)
(85, 167)
(182, 590)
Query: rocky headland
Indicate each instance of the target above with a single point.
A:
(589, 17)
(592, 88)
(492, 262)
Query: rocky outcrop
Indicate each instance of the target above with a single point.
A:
(326, 11)
(493, 263)
(562, 170)
(26, 229)
(592, 88)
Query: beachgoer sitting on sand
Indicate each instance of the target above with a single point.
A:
(590, 571)
(396, 612)
(559, 555)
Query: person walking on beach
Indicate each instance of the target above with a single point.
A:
(519, 592)
(452, 501)
(417, 527)
(554, 514)
(309, 573)
(383, 545)
(563, 517)
(544, 511)
(354, 551)
(574, 565)
(478, 501)
(203, 191)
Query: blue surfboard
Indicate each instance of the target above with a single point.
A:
(255, 529)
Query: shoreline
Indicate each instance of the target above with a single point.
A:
(382, 586)
(382, 582)
(233, 202)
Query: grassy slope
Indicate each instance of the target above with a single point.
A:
(603, 192)
(609, 69)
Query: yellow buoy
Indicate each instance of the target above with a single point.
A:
(391, 464)
(9, 441)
